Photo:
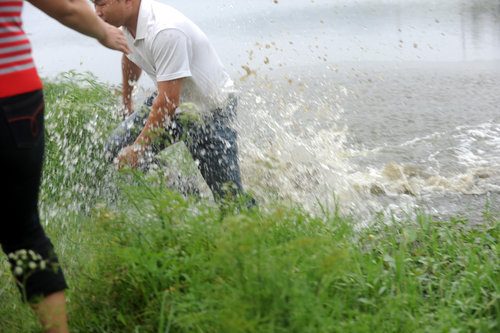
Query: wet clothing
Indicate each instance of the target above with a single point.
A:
(22, 145)
(210, 140)
(168, 46)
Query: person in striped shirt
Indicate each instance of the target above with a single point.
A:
(30, 252)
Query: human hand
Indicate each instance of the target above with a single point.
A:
(129, 156)
(114, 38)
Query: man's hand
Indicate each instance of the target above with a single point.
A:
(130, 156)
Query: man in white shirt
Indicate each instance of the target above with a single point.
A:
(184, 66)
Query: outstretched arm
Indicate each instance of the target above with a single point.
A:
(79, 16)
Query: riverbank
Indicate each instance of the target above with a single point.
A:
(160, 263)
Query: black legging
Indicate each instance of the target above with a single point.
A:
(22, 144)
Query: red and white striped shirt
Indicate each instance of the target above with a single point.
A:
(17, 70)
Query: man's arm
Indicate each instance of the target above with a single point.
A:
(130, 74)
(162, 111)
(79, 16)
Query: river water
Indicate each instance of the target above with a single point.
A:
(382, 107)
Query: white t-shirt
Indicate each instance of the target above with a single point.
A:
(169, 46)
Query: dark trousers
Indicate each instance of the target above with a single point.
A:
(21, 153)
(210, 139)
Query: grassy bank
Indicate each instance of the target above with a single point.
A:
(140, 258)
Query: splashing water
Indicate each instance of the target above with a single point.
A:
(295, 145)
(78, 116)
(291, 145)
(318, 144)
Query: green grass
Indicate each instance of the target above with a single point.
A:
(80, 114)
(140, 258)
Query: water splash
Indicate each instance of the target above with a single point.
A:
(293, 147)
(78, 115)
